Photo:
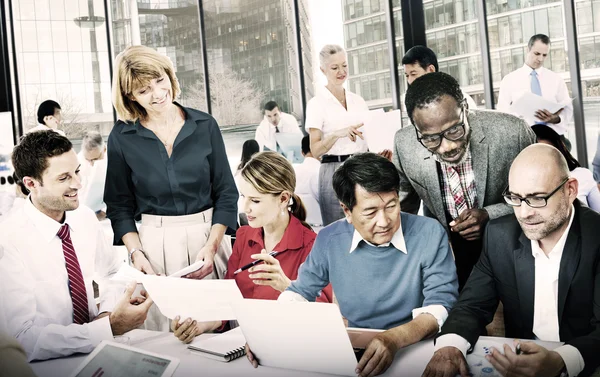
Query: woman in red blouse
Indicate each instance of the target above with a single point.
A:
(276, 218)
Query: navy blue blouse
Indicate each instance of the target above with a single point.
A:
(142, 178)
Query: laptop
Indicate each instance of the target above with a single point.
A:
(306, 336)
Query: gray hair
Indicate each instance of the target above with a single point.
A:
(92, 140)
(327, 51)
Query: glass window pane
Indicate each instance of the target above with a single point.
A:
(52, 62)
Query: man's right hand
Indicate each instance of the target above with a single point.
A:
(447, 362)
(129, 313)
(141, 263)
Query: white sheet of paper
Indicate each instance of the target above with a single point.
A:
(189, 269)
(202, 300)
(127, 273)
(526, 106)
(287, 334)
(380, 129)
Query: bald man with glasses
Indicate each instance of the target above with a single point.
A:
(456, 160)
(543, 263)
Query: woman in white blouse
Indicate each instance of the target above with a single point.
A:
(333, 122)
(588, 192)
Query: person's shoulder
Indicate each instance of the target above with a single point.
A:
(197, 114)
(549, 73)
(513, 74)
(506, 227)
(589, 219)
(420, 225)
(339, 228)
(496, 121)
(83, 216)
(581, 173)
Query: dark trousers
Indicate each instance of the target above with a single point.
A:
(466, 254)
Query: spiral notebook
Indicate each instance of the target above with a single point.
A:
(224, 347)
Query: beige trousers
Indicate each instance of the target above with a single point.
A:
(172, 243)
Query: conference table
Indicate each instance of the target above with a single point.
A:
(409, 362)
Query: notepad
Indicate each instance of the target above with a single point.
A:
(225, 347)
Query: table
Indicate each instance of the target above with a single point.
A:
(409, 362)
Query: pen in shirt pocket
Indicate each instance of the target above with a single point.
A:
(244, 268)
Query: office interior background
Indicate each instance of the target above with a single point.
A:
(231, 56)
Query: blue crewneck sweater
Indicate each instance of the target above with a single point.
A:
(378, 287)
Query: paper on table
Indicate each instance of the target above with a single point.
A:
(526, 106)
(202, 300)
(380, 129)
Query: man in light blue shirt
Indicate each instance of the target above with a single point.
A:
(389, 270)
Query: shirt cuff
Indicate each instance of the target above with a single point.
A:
(572, 357)
(438, 311)
(99, 330)
(289, 296)
(452, 340)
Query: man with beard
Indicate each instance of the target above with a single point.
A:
(456, 160)
(50, 251)
(543, 263)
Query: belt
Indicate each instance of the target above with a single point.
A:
(334, 158)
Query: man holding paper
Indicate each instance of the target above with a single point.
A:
(535, 79)
(389, 270)
(456, 161)
(50, 251)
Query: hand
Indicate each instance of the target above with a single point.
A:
(351, 132)
(101, 215)
(207, 253)
(386, 153)
(447, 362)
(534, 360)
(253, 360)
(470, 224)
(188, 329)
(268, 273)
(129, 313)
(548, 117)
(141, 263)
(378, 356)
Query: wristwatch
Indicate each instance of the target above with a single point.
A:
(133, 251)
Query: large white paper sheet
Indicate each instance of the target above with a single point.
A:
(202, 300)
(526, 106)
(287, 334)
(380, 129)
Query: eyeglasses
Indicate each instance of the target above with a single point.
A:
(453, 133)
(532, 201)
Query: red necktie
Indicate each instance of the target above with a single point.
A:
(81, 314)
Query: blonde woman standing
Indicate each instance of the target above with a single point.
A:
(333, 120)
(166, 164)
(276, 218)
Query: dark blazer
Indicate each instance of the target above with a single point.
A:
(506, 272)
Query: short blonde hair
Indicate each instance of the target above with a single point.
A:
(327, 51)
(136, 67)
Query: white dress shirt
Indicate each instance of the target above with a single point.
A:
(34, 283)
(324, 112)
(265, 132)
(545, 306)
(587, 191)
(439, 312)
(93, 178)
(470, 100)
(307, 188)
(554, 89)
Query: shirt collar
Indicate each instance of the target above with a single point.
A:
(397, 241)
(557, 250)
(293, 237)
(528, 69)
(47, 226)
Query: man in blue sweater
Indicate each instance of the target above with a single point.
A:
(389, 270)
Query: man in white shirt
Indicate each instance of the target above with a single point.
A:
(275, 121)
(536, 79)
(49, 117)
(52, 249)
(307, 183)
(93, 172)
(420, 60)
(543, 264)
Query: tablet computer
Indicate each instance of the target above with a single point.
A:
(116, 359)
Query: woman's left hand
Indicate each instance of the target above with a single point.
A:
(207, 254)
(269, 273)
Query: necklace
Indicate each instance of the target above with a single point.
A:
(171, 128)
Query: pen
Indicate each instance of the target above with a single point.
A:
(518, 349)
(244, 268)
